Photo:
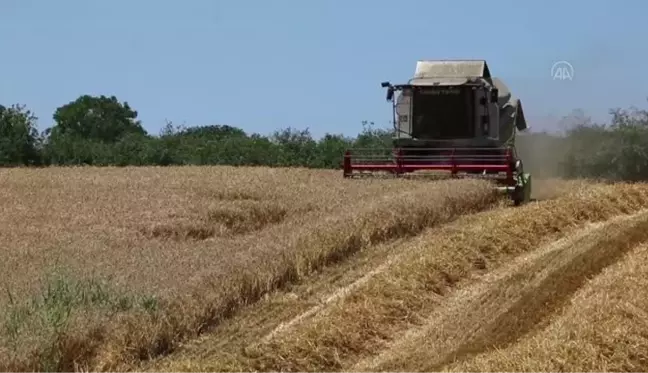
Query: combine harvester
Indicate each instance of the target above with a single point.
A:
(452, 118)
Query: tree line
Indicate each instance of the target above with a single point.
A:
(102, 131)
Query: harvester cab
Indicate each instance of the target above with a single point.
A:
(452, 118)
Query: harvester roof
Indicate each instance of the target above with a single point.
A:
(459, 72)
(449, 72)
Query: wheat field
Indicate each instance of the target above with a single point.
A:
(259, 269)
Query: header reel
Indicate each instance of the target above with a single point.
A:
(499, 165)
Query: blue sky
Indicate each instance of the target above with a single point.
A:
(264, 65)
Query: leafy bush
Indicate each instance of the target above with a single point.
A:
(101, 131)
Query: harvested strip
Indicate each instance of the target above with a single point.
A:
(281, 307)
(604, 328)
(287, 308)
(409, 290)
(258, 270)
(512, 302)
(337, 295)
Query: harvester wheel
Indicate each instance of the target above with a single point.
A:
(522, 193)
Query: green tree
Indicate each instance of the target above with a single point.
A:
(102, 131)
(371, 137)
(101, 118)
(212, 132)
(19, 141)
(90, 131)
(296, 148)
(331, 150)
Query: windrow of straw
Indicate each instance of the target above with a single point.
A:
(432, 265)
(602, 329)
(514, 301)
(116, 341)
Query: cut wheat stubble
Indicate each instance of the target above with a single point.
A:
(602, 328)
(400, 297)
(513, 301)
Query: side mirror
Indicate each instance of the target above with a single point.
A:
(390, 93)
(385, 84)
(494, 95)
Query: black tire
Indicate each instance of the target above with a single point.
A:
(518, 196)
